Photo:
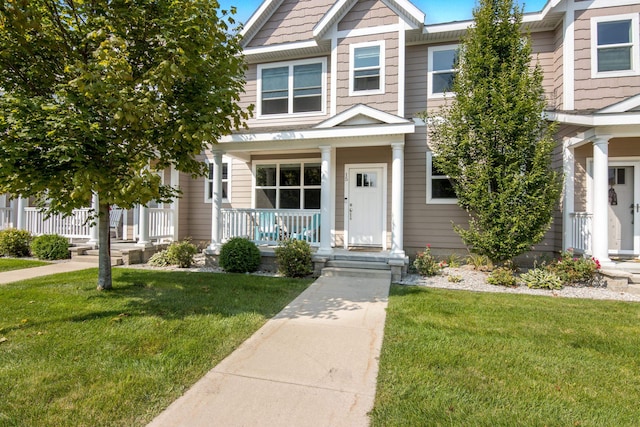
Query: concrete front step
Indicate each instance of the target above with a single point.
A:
(635, 278)
(366, 265)
(96, 252)
(356, 272)
(634, 289)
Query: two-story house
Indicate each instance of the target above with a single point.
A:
(335, 152)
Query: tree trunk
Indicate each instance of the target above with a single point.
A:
(104, 248)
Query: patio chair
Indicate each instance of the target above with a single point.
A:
(311, 232)
(115, 218)
(266, 230)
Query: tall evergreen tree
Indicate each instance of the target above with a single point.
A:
(492, 140)
(95, 93)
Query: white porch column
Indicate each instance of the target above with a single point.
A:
(175, 205)
(93, 228)
(143, 227)
(600, 225)
(22, 203)
(397, 198)
(325, 201)
(216, 204)
(569, 197)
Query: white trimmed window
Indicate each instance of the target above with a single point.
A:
(296, 87)
(226, 181)
(614, 46)
(441, 70)
(439, 187)
(366, 68)
(287, 184)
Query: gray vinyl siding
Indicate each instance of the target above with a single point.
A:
(368, 13)
(543, 53)
(416, 80)
(598, 93)
(293, 21)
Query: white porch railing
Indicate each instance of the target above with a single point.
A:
(160, 223)
(268, 226)
(5, 218)
(73, 226)
(581, 223)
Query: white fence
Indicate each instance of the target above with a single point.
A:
(73, 226)
(581, 223)
(268, 226)
(161, 223)
(5, 218)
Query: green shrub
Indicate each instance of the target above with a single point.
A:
(541, 278)
(502, 276)
(160, 259)
(479, 262)
(182, 253)
(15, 242)
(239, 255)
(426, 264)
(50, 246)
(453, 260)
(294, 258)
(574, 270)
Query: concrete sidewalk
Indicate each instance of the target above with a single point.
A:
(314, 364)
(45, 270)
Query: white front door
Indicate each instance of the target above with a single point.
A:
(624, 230)
(365, 205)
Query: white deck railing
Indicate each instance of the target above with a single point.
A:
(268, 226)
(161, 223)
(581, 232)
(73, 226)
(5, 218)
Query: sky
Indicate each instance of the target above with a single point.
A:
(436, 11)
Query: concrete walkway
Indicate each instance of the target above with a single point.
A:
(45, 270)
(314, 364)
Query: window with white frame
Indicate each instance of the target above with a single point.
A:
(614, 46)
(287, 185)
(226, 181)
(366, 68)
(441, 70)
(291, 88)
(439, 187)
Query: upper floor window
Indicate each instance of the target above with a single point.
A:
(296, 87)
(439, 187)
(614, 46)
(226, 181)
(441, 70)
(367, 68)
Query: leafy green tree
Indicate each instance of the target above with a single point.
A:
(492, 140)
(97, 94)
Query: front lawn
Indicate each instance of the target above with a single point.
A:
(8, 264)
(72, 356)
(465, 358)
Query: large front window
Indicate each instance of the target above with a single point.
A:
(296, 87)
(288, 185)
(614, 45)
(441, 70)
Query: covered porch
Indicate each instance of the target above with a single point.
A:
(601, 207)
(327, 184)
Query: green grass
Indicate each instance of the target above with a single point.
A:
(8, 264)
(74, 356)
(480, 359)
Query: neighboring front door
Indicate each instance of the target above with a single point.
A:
(623, 211)
(365, 204)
